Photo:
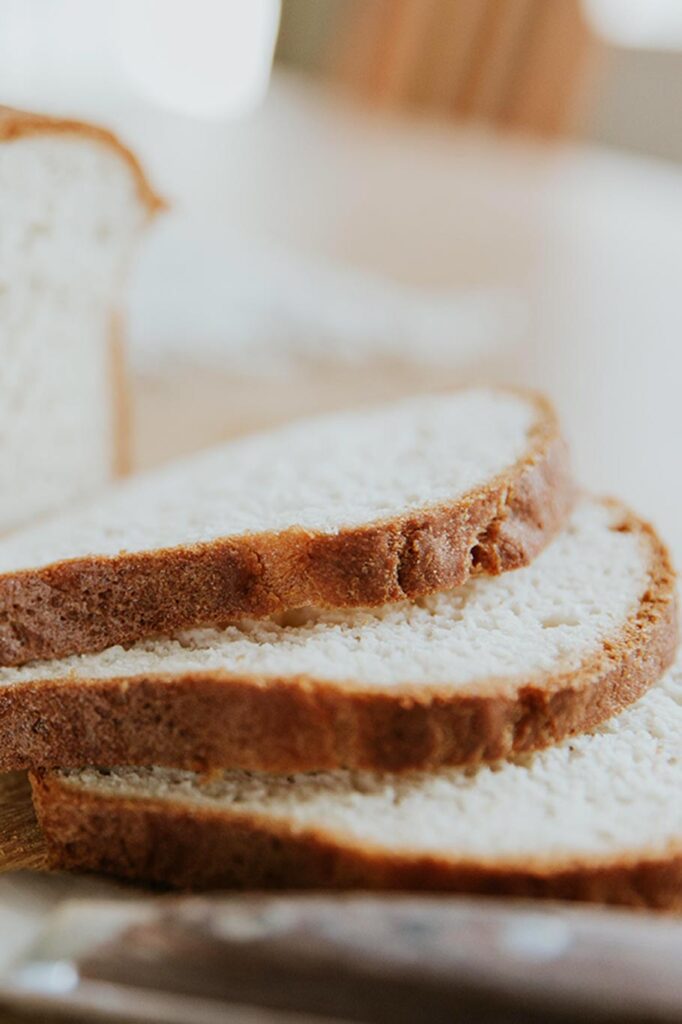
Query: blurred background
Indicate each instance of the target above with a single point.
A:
(370, 197)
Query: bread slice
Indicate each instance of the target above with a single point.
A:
(598, 818)
(73, 203)
(353, 509)
(496, 668)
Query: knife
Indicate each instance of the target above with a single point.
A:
(263, 959)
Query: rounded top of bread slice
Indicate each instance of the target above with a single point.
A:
(24, 125)
(353, 509)
(500, 666)
(74, 203)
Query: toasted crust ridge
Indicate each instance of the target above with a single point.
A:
(88, 604)
(205, 720)
(16, 124)
(192, 848)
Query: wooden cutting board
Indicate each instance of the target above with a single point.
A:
(21, 845)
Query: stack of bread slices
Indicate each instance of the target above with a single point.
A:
(393, 648)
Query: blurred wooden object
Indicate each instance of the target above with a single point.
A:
(554, 69)
(21, 844)
(497, 59)
(521, 64)
(452, 39)
(354, 59)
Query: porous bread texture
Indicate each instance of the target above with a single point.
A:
(546, 618)
(499, 667)
(598, 817)
(71, 212)
(342, 511)
(325, 475)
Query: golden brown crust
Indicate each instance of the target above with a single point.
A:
(91, 603)
(193, 848)
(211, 720)
(16, 124)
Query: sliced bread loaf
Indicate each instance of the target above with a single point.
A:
(598, 818)
(347, 510)
(498, 667)
(73, 203)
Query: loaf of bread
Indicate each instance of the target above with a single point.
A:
(383, 649)
(74, 202)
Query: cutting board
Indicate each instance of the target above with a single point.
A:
(21, 845)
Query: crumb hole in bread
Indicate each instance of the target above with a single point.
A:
(554, 621)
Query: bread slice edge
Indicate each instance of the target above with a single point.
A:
(89, 604)
(18, 124)
(181, 846)
(209, 720)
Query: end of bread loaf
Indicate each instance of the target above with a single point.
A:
(73, 204)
